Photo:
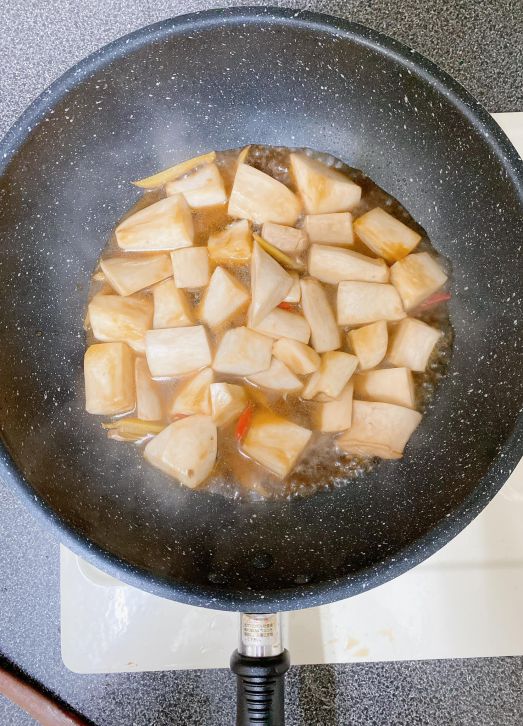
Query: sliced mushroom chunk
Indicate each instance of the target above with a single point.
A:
(290, 240)
(278, 378)
(260, 198)
(416, 277)
(231, 246)
(335, 371)
(330, 229)
(275, 442)
(366, 302)
(109, 379)
(223, 299)
(300, 358)
(174, 352)
(310, 390)
(171, 306)
(294, 294)
(185, 450)
(194, 396)
(385, 235)
(148, 398)
(191, 267)
(243, 352)
(322, 188)
(202, 188)
(390, 385)
(125, 319)
(284, 324)
(412, 343)
(334, 264)
(325, 335)
(270, 283)
(227, 402)
(335, 416)
(285, 261)
(379, 429)
(129, 275)
(164, 225)
(369, 343)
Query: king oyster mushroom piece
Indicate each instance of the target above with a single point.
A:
(369, 343)
(128, 275)
(335, 416)
(325, 335)
(194, 395)
(185, 450)
(164, 225)
(334, 264)
(412, 343)
(330, 229)
(390, 385)
(243, 352)
(260, 198)
(224, 298)
(385, 235)
(322, 188)
(300, 358)
(284, 324)
(174, 352)
(294, 294)
(109, 379)
(191, 267)
(231, 246)
(202, 188)
(227, 402)
(270, 283)
(278, 378)
(379, 429)
(335, 371)
(366, 302)
(171, 306)
(416, 277)
(310, 390)
(125, 319)
(274, 442)
(148, 397)
(290, 240)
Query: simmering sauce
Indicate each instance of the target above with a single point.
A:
(322, 465)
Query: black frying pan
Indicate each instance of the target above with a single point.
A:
(219, 80)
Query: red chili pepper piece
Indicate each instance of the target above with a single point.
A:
(244, 422)
(286, 306)
(438, 297)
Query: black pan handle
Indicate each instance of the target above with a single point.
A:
(261, 689)
(260, 664)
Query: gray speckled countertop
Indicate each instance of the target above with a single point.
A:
(480, 44)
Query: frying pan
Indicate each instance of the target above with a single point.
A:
(222, 79)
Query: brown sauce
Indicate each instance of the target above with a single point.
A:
(322, 465)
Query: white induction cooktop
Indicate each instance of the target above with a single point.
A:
(465, 601)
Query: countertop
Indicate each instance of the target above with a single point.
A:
(480, 45)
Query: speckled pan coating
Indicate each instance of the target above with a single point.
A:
(219, 80)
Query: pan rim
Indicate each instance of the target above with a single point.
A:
(313, 594)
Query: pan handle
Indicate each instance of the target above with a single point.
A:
(260, 664)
